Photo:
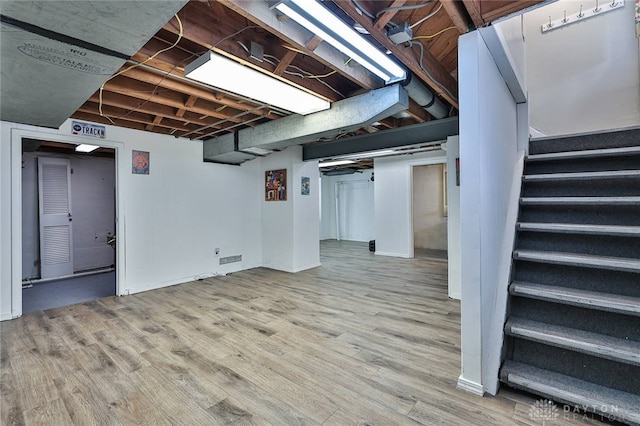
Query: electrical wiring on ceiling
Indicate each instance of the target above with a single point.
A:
(409, 7)
(427, 37)
(426, 17)
(180, 34)
(302, 73)
(440, 85)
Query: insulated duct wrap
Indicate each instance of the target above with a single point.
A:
(425, 97)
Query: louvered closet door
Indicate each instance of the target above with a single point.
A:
(56, 251)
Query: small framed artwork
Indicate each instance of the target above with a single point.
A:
(275, 185)
(305, 185)
(140, 162)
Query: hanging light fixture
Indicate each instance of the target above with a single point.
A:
(321, 21)
(219, 71)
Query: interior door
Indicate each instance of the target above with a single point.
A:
(54, 189)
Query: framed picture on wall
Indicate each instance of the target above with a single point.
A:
(140, 162)
(275, 185)
(305, 185)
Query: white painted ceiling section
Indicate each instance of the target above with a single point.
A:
(45, 80)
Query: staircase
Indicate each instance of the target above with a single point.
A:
(573, 326)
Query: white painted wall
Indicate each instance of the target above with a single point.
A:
(306, 219)
(585, 76)
(393, 205)
(93, 202)
(453, 219)
(429, 219)
(356, 207)
(169, 221)
(489, 159)
(290, 229)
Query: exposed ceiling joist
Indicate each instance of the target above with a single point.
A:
(439, 75)
(382, 20)
(473, 8)
(458, 14)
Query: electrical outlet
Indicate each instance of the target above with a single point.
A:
(217, 251)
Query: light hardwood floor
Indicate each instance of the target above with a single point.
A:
(361, 340)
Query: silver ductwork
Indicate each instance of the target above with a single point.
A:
(344, 116)
(424, 97)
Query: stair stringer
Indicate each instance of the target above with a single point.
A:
(493, 354)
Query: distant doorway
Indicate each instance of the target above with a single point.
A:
(68, 224)
(430, 212)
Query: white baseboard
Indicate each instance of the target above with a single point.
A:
(304, 268)
(7, 316)
(384, 253)
(469, 386)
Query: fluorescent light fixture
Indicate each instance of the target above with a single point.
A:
(322, 22)
(371, 154)
(83, 147)
(224, 73)
(335, 163)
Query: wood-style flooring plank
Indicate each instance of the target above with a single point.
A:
(363, 339)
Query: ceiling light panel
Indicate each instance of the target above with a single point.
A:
(83, 147)
(335, 163)
(322, 22)
(218, 71)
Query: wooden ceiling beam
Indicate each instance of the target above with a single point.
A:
(417, 112)
(458, 14)
(285, 62)
(138, 117)
(473, 8)
(128, 103)
(389, 122)
(138, 90)
(187, 105)
(259, 13)
(157, 119)
(104, 120)
(493, 9)
(409, 57)
(381, 21)
(290, 55)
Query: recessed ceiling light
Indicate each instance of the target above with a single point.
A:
(83, 147)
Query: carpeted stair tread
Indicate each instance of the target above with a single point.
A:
(569, 390)
(589, 153)
(571, 228)
(584, 260)
(576, 297)
(615, 349)
(612, 174)
(575, 201)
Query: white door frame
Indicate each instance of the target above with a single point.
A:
(17, 135)
(421, 162)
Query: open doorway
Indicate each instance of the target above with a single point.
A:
(430, 211)
(68, 224)
(347, 206)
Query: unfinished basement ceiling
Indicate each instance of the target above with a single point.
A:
(57, 54)
(149, 91)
